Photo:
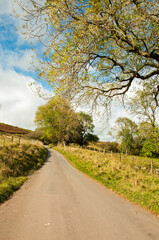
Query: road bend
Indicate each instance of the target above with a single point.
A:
(60, 203)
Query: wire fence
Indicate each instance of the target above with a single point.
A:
(7, 140)
(144, 164)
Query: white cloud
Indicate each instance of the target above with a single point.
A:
(9, 9)
(6, 6)
(18, 103)
(104, 126)
(17, 100)
(20, 58)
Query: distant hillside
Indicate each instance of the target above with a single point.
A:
(12, 129)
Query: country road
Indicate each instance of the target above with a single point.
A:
(60, 203)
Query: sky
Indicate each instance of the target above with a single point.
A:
(18, 100)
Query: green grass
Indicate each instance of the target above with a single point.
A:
(10, 185)
(120, 174)
(16, 163)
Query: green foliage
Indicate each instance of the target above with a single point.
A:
(61, 125)
(144, 104)
(148, 149)
(58, 121)
(139, 140)
(86, 122)
(127, 133)
(150, 141)
(95, 49)
(87, 127)
(91, 138)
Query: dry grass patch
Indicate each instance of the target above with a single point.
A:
(16, 162)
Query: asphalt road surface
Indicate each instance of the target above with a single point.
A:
(60, 203)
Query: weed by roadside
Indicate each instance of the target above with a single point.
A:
(117, 174)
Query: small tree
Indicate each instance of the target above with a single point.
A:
(87, 127)
(144, 103)
(127, 133)
(149, 137)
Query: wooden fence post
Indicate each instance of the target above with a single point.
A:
(151, 167)
(3, 141)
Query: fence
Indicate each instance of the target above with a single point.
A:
(6, 140)
(145, 164)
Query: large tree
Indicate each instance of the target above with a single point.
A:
(58, 121)
(95, 49)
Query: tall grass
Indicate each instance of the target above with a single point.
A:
(16, 162)
(129, 176)
(10, 139)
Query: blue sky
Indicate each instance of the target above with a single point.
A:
(18, 101)
(13, 45)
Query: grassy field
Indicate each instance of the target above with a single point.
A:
(17, 161)
(9, 139)
(135, 178)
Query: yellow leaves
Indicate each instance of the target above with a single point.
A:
(95, 41)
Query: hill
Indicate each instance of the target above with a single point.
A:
(6, 128)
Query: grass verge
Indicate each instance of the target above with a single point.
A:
(117, 174)
(16, 163)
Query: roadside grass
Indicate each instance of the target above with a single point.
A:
(7, 139)
(17, 161)
(128, 176)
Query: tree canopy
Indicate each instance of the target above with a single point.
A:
(127, 133)
(58, 121)
(95, 49)
(86, 122)
(144, 103)
(141, 139)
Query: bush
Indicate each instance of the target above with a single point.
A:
(109, 146)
